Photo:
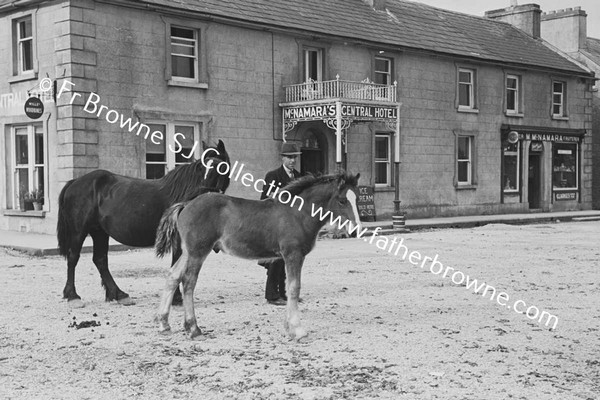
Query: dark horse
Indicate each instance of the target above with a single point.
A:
(253, 229)
(102, 204)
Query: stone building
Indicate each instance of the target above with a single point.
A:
(567, 30)
(442, 113)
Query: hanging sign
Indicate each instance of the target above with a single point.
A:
(34, 107)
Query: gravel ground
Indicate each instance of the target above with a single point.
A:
(379, 326)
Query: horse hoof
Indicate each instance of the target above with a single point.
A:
(126, 301)
(195, 332)
(75, 303)
(164, 331)
(299, 333)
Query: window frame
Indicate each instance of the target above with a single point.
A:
(18, 74)
(518, 95)
(200, 64)
(472, 92)
(555, 149)
(320, 52)
(32, 164)
(388, 161)
(562, 114)
(389, 73)
(516, 154)
(472, 183)
(169, 144)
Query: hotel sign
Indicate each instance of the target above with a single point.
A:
(349, 111)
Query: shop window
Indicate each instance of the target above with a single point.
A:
(565, 172)
(464, 160)
(513, 95)
(180, 145)
(383, 160)
(466, 89)
(186, 54)
(559, 99)
(511, 167)
(28, 165)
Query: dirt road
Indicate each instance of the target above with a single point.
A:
(380, 326)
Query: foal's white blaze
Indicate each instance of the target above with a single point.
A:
(351, 196)
(208, 168)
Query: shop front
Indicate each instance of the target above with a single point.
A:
(542, 167)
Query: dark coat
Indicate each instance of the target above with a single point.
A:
(280, 177)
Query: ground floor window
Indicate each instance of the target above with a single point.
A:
(464, 159)
(27, 166)
(179, 145)
(565, 172)
(383, 160)
(511, 167)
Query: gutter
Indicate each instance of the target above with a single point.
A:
(18, 4)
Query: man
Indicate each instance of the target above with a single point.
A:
(275, 288)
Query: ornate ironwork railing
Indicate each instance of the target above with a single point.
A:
(338, 89)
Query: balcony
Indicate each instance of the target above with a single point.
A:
(318, 91)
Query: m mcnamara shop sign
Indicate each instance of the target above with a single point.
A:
(367, 112)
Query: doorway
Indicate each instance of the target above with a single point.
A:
(534, 177)
(312, 159)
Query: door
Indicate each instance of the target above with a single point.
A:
(312, 161)
(535, 181)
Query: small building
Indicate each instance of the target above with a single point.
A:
(566, 29)
(441, 112)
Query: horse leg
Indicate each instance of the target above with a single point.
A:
(171, 284)
(177, 298)
(69, 291)
(100, 258)
(293, 269)
(190, 277)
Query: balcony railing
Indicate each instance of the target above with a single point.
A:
(338, 89)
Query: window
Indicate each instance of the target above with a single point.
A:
(24, 61)
(383, 160)
(179, 146)
(564, 166)
(313, 64)
(184, 56)
(466, 89)
(511, 167)
(464, 160)
(186, 63)
(28, 162)
(383, 71)
(513, 95)
(559, 96)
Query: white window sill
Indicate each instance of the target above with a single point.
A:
(465, 186)
(29, 213)
(27, 76)
(189, 84)
(574, 189)
(512, 192)
(514, 114)
(383, 188)
(560, 118)
(467, 110)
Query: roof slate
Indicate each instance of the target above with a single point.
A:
(403, 24)
(592, 49)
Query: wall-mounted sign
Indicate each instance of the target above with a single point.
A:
(358, 112)
(550, 137)
(34, 108)
(366, 203)
(536, 147)
(563, 196)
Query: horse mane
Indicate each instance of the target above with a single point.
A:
(183, 180)
(299, 185)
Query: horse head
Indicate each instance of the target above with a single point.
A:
(215, 165)
(342, 203)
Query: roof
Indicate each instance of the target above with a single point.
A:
(592, 50)
(404, 24)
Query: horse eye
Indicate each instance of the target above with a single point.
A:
(343, 201)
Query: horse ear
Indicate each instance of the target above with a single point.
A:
(356, 178)
(221, 147)
(341, 181)
(204, 146)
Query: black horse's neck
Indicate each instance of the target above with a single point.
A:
(184, 182)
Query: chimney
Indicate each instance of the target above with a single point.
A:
(526, 17)
(378, 5)
(565, 29)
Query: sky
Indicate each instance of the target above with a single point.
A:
(475, 7)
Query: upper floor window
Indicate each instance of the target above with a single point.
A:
(186, 54)
(179, 146)
(466, 89)
(313, 64)
(559, 99)
(383, 71)
(383, 160)
(513, 95)
(23, 48)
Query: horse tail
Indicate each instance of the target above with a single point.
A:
(167, 235)
(63, 232)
